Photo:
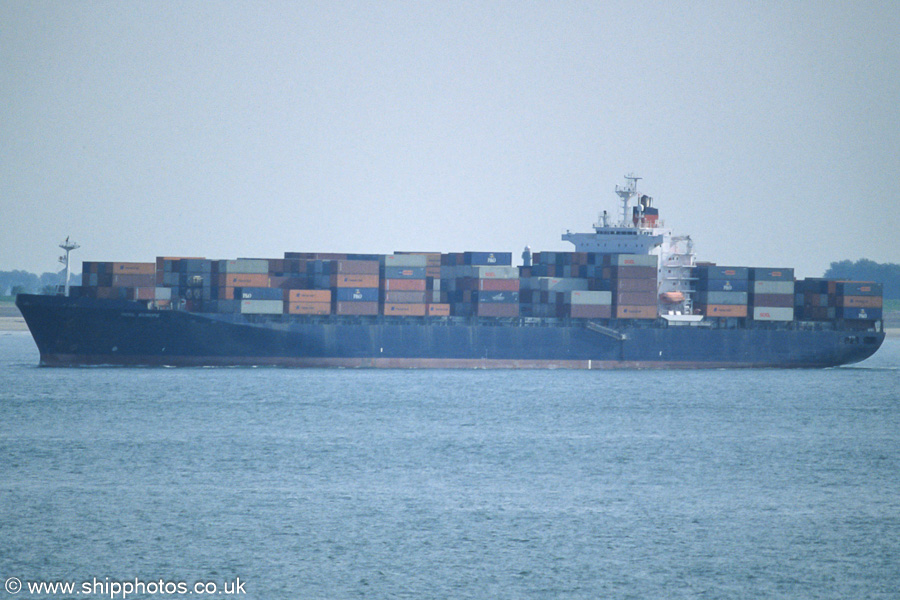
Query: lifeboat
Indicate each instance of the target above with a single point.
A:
(672, 297)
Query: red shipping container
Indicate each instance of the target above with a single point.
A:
(403, 285)
(497, 309)
(773, 300)
(356, 308)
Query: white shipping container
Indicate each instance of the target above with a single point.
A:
(761, 313)
(405, 260)
(561, 284)
(635, 260)
(163, 293)
(262, 307)
(244, 265)
(488, 272)
(592, 298)
(773, 287)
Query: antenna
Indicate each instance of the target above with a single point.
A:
(626, 194)
(68, 247)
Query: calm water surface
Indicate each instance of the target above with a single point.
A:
(454, 484)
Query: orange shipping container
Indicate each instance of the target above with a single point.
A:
(308, 295)
(308, 308)
(438, 310)
(403, 285)
(860, 301)
(635, 312)
(723, 310)
(132, 268)
(354, 280)
(243, 280)
(407, 310)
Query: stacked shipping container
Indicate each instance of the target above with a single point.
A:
(409, 284)
(721, 291)
(822, 299)
(772, 294)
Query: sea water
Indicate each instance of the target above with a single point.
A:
(327, 484)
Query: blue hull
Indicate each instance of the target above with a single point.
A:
(71, 332)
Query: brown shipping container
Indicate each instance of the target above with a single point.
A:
(134, 280)
(243, 280)
(356, 308)
(629, 273)
(488, 285)
(635, 312)
(308, 296)
(774, 300)
(403, 309)
(438, 310)
(308, 308)
(132, 268)
(498, 309)
(353, 280)
(723, 310)
(635, 298)
(634, 285)
(588, 311)
(145, 293)
(355, 267)
(403, 285)
(860, 301)
(288, 282)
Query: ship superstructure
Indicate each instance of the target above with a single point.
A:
(640, 231)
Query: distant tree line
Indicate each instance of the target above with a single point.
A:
(23, 282)
(887, 274)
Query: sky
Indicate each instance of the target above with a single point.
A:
(768, 131)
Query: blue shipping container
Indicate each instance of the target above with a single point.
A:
(722, 285)
(714, 272)
(488, 259)
(767, 274)
(491, 297)
(356, 294)
(860, 314)
(258, 293)
(404, 272)
(859, 288)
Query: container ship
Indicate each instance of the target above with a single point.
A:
(629, 295)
